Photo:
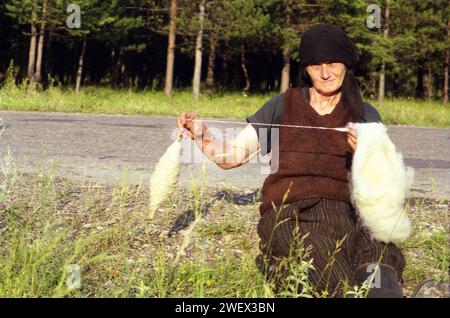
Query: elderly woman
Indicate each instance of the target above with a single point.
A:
(314, 167)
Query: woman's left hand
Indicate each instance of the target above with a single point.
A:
(352, 137)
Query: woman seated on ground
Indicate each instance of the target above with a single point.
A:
(313, 169)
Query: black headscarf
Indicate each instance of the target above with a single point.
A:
(329, 43)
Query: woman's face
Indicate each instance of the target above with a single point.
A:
(327, 77)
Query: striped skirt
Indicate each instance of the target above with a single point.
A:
(329, 231)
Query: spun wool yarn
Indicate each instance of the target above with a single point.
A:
(165, 176)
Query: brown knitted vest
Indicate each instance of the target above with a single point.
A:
(313, 163)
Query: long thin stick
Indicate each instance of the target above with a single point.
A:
(343, 129)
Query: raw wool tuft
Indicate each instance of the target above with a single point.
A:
(380, 182)
(165, 176)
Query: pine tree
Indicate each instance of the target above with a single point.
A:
(171, 48)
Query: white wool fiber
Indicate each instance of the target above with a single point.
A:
(380, 182)
(165, 177)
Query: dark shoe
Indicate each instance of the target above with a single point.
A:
(432, 289)
(383, 284)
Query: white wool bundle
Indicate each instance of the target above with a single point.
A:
(380, 182)
(165, 176)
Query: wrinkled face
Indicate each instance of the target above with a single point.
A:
(326, 77)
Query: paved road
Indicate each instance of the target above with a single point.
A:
(102, 147)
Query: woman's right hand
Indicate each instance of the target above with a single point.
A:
(186, 120)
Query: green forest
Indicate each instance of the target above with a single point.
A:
(248, 46)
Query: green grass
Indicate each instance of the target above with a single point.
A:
(48, 223)
(427, 251)
(226, 105)
(414, 112)
(109, 101)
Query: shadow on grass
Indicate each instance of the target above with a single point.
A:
(185, 219)
(238, 198)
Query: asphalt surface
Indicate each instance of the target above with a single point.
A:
(115, 148)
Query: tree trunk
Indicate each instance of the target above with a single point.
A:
(122, 69)
(171, 48)
(285, 72)
(244, 69)
(80, 66)
(447, 61)
(123, 77)
(429, 82)
(225, 72)
(373, 84)
(211, 63)
(382, 83)
(420, 85)
(119, 69)
(113, 73)
(61, 57)
(198, 54)
(32, 48)
(49, 64)
(40, 47)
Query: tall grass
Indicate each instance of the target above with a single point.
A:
(48, 224)
(402, 111)
(219, 105)
(109, 101)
